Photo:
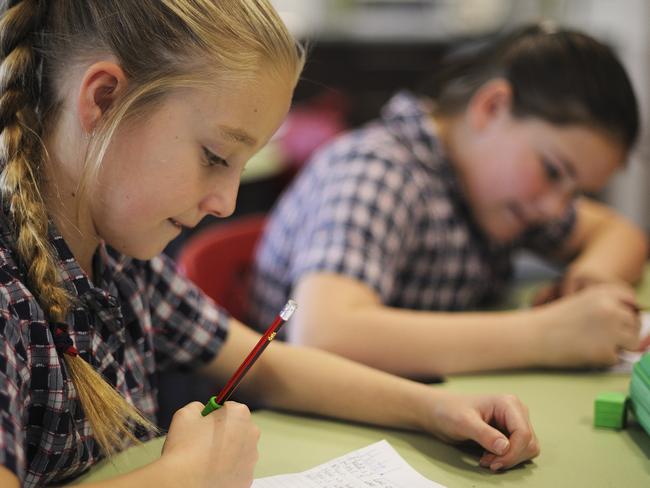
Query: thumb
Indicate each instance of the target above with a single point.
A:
(488, 437)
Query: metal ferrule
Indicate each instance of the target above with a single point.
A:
(288, 309)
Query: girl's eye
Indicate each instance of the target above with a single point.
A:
(212, 159)
(552, 171)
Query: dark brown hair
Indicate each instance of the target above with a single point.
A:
(558, 75)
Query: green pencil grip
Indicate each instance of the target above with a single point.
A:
(211, 406)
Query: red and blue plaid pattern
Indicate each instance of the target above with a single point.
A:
(138, 318)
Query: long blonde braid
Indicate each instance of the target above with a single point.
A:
(22, 154)
(22, 150)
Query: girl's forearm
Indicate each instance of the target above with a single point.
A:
(314, 381)
(602, 255)
(424, 344)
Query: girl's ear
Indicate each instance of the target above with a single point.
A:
(102, 84)
(490, 102)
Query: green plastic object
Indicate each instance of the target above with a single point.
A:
(644, 365)
(211, 406)
(640, 392)
(610, 410)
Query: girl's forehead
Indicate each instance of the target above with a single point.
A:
(245, 113)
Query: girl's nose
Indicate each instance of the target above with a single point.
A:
(221, 201)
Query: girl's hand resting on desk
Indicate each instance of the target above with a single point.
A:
(588, 328)
(219, 449)
(499, 423)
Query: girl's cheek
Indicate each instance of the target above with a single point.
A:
(532, 184)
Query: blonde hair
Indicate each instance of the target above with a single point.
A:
(161, 45)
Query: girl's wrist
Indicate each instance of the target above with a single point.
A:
(538, 322)
(174, 470)
(429, 402)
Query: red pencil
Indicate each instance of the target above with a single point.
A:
(216, 402)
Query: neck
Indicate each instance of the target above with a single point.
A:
(453, 135)
(447, 129)
(72, 221)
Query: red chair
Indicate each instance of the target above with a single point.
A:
(219, 261)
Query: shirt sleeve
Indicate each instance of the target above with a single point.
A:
(360, 224)
(547, 239)
(189, 328)
(13, 396)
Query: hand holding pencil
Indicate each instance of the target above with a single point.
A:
(192, 438)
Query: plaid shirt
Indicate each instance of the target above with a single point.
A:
(137, 319)
(383, 205)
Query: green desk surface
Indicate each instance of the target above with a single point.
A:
(574, 453)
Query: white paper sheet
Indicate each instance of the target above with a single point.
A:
(627, 358)
(375, 466)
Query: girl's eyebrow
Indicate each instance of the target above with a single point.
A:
(238, 135)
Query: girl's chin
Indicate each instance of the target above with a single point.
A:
(142, 252)
(504, 230)
(504, 235)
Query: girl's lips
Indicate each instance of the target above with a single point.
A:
(180, 225)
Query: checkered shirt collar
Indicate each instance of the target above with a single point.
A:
(101, 298)
(409, 119)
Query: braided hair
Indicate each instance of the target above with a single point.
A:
(23, 154)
